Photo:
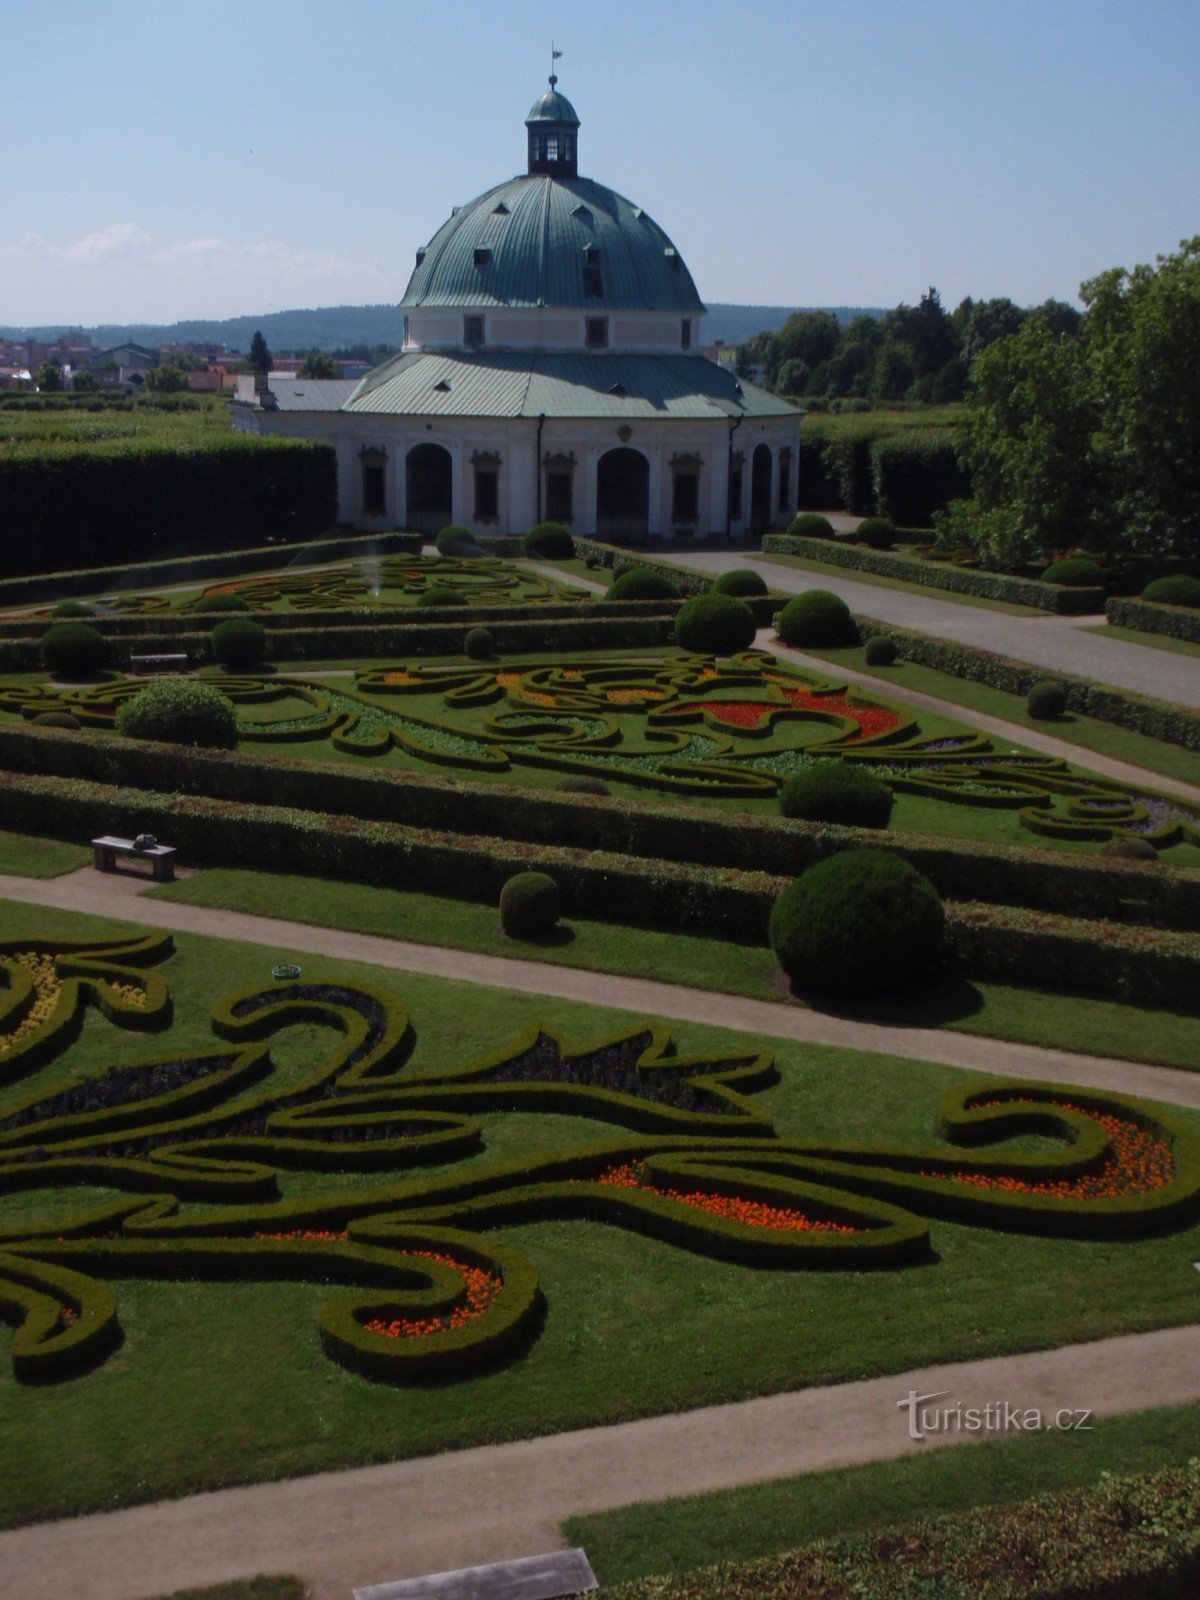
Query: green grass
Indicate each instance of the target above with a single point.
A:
(28, 857)
(1104, 738)
(225, 1383)
(1027, 1016)
(763, 1519)
(829, 570)
(819, 425)
(1156, 641)
(67, 431)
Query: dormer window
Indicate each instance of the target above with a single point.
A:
(672, 256)
(472, 330)
(596, 333)
(501, 210)
(483, 255)
(593, 283)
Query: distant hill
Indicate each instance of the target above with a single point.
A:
(337, 327)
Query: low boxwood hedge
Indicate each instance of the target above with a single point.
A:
(1149, 616)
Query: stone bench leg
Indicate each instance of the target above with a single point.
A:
(105, 859)
(164, 869)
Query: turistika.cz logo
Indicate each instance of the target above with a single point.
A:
(997, 1416)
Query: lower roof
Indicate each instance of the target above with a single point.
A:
(498, 383)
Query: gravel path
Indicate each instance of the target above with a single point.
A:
(1056, 643)
(339, 1531)
(117, 894)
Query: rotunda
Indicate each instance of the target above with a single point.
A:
(550, 370)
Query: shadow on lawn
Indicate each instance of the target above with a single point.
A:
(948, 998)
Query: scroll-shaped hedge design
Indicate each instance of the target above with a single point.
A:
(423, 1287)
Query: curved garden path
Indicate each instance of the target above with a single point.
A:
(116, 894)
(342, 1530)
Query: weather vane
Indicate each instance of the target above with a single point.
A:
(555, 55)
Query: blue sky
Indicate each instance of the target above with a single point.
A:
(182, 158)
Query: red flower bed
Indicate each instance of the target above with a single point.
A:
(482, 1288)
(870, 720)
(752, 1213)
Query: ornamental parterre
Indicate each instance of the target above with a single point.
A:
(429, 1287)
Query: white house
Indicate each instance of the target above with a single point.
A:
(550, 370)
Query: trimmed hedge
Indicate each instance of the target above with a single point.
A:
(941, 575)
(1179, 590)
(809, 525)
(480, 644)
(1177, 622)
(1046, 700)
(715, 625)
(836, 791)
(743, 583)
(195, 568)
(988, 941)
(914, 475)
(549, 540)
(816, 617)
(73, 650)
(959, 869)
(529, 905)
(239, 642)
(642, 583)
(180, 711)
(1076, 572)
(134, 502)
(878, 533)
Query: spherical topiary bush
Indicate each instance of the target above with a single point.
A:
(240, 642)
(1123, 849)
(880, 651)
(440, 594)
(857, 923)
(878, 532)
(1046, 700)
(581, 784)
(479, 644)
(715, 625)
(808, 525)
(551, 540)
(1074, 572)
(456, 540)
(73, 650)
(180, 711)
(56, 719)
(837, 791)
(529, 905)
(815, 617)
(741, 582)
(1180, 590)
(219, 602)
(641, 583)
(73, 608)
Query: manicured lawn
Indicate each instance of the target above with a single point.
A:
(223, 1383)
(1156, 641)
(762, 1519)
(28, 857)
(1105, 738)
(828, 570)
(1027, 1016)
(883, 419)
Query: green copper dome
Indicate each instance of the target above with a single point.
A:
(553, 107)
(559, 242)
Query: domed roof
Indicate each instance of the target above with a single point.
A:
(553, 107)
(538, 241)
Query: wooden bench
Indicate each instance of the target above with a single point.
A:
(158, 663)
(161, 856)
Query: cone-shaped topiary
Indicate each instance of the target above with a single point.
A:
(180, 711)
(240, 642)
(642, 583)
(1046, 700)
(715, 625)
(74, 649)
(1181, 590)
(742, 581)
(815, 617)
(880, 651)
(837, 791)
(551, 540)
(440, 594)
(219, 602)
(857, 923)
(808, 525)
(529, 905)
(1074, 572)
(73, 608)
(480, 644)
(877, 532)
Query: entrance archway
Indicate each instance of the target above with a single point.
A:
(760, 489)
(430, 491)
(623, 495)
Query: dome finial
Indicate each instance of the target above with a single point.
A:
(555, 55)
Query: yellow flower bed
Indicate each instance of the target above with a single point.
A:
(47, 987)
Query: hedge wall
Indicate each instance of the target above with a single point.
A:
(686, 579)
(1177, 622)
(1093, 887)
(915, 474)
(67, 511)
(1140, 964)
(188, 569)
(1157, 719)
(939, 575)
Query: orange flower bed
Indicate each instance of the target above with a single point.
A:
(624, 697)
(751, 1213)
(324, 1235)
(1137, 1163)
(482, 1288)
(398, 675)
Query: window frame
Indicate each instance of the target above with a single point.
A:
(595, 333)
(470, 323)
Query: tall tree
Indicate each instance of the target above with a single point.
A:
(317, 364)
(260, 356)
(48, 377)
